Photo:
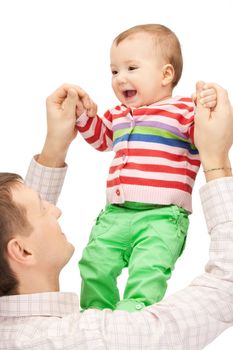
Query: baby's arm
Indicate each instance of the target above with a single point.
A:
(95, 130)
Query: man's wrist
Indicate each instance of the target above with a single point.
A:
(216, 167)
(52, 155)
(217, 173)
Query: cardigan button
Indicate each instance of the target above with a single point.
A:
(118, 192)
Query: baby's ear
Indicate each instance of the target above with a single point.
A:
(168, 73)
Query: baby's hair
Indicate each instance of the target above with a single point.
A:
(165, 40)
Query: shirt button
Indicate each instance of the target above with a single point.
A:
(118, 192)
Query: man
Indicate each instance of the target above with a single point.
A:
(34, 315)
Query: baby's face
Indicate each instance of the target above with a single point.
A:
(136, 71)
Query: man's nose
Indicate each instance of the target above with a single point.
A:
(57, 212)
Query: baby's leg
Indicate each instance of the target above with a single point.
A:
(158, 241)
(103, 260)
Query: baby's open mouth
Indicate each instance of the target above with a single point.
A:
(129, 93)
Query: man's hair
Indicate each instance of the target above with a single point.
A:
(165, 40)
(13, 219)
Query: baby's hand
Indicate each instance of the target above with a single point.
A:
(208, 96)
(85, 103)
(90, 106)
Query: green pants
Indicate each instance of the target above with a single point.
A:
(148, 239)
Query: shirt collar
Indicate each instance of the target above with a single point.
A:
(55, 304)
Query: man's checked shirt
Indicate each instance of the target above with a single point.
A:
(189, 319)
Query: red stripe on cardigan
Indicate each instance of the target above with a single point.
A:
(154, 168)
(140, 152)
(147, 182)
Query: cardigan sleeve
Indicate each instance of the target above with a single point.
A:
(97, 131)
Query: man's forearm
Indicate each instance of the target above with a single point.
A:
(52, 155)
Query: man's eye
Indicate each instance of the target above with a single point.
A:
(132, 68)
(114, 72)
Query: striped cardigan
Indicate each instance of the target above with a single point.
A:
(155, 158)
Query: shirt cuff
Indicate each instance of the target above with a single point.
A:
(217, 201)
(46, 181)
(82, 120)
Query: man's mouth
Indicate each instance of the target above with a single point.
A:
(129, 93)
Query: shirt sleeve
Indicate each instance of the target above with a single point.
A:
(46, 181)
(186, 109)
(97, 131)
(196, 315)
(191, 133)
(191, 122)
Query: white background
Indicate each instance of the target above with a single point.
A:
(46, 43)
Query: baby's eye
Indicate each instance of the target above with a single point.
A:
(114, 72)
(132, 67)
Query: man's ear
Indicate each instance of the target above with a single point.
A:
(18, 252)
(168, 73)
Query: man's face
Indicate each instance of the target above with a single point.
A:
(136, 70)
(46, 242)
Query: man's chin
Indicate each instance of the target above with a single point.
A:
(69, 254)
(72, 249)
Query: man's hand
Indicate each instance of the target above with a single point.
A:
(213, 133)
(61, 129)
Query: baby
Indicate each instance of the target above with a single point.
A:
(150, 182)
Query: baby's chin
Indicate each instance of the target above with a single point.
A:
(134, 104)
